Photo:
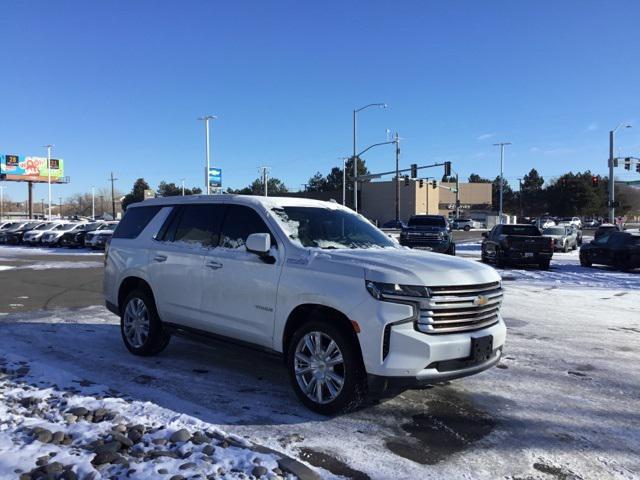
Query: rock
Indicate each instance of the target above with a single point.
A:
(104, 457)
(277, 471)
(199, 437)
(177, 477)
(109, 447)
(70, 418)
(181, 435)
(159, 441)
(44, 436)
(54, 467)
(259, 471)
(161, 453)
(122, 428)
(68, 475)
(163, 471)
(297, 468)
(135, 436)
(188, 465)
(208, 450)
(27, 402)
(125, 441)
(78, 411)
(25, 476)
(57, 438)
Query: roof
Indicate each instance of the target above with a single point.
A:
(254, 200)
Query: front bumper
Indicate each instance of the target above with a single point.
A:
(439, 246)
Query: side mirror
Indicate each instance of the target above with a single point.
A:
(260, 244)
(485, 234)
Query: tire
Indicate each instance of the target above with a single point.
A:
(139, 307)
(499, 259)
(584, 261)
(621, 265)
(565, 247)
(452, 249)
(467, 228)
(544, 265)
(347, 396)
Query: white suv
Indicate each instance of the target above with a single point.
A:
(347, 306)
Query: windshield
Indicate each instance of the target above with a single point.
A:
(44, 226)
(330, 228)
(522, 230)
(427, 222)
(553, 231)
(67, 226)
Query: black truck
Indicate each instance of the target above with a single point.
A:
(429, 232)
(517, 244)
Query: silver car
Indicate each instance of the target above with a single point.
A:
(564, 237)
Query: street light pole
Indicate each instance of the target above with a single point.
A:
(501, 145)
(182, 186)
(206, 119)
(612, 182)
(355, 149)
(397, 142)
(48, 147)
(1, 202)
(93, 202)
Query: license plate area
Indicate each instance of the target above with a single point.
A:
(528, 254)
(481, 348)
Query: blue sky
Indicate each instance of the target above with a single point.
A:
(119, 85)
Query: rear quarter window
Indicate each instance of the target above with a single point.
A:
(135, 220)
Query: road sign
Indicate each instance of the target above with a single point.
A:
(215, 177)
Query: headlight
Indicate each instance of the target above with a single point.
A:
(380, 290)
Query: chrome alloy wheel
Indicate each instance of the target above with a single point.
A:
(136, 323)
(319, 367)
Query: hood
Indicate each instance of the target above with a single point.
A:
(415, 267)
(101, 232)
(555, 237)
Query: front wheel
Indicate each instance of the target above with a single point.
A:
(140, 325)
(544, 265)
(565, 248)
(584, 261)
(467, 228)
(325, 368)
(452, 249)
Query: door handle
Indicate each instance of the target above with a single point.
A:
(160, 258)
(214, 265)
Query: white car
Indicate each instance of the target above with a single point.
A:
(34, 237)
(346, 306)
(466, 224)
(53, 236)
(99, 237)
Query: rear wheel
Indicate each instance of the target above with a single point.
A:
(544, 265)
(584, 261)
(565, 248)
(140, 325)
(467, 228)
(325, 367)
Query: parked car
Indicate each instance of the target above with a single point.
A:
(6, 225)
(347, 307)
(620, 250)
(14, 235)
(53, 237)
(465, 224)
(398, 225)
(98, 238)
(429, 232)
(516, 244)
(76, 237)
(578, 234)
(605, 228)
(34, 237)
(571, 221)
(564, 237)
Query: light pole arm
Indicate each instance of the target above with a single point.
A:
(374, 145)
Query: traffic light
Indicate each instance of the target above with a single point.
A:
(627, 163)
(414, 170)
(434, 184)
(447, 169)
(615, 162)
(422, 182)
(406, 181)
(595, 181)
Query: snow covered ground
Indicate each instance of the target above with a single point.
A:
(13, 251)
(563, 404)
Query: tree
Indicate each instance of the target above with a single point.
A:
(508, 198)
(531, 196)
(171, 190)
(137, 193)
(333, 181)
(574, 194)
(275, 187)
(475, 178)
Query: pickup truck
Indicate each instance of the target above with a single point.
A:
(430, 232)
(517, 244)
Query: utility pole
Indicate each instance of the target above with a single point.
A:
(457, 197)
(113, 196)
(265, 179)
(1, 202)
(520, 197)
(60, 206)
(344, 180)
(48, 147)
(93, 202)
(206, 119)
(612, 181)
(501, 145)
(397, 142)
(102, 206)
(182, 186)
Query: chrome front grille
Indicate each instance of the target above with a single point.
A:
(460, 308)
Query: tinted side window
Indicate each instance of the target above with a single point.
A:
(239, 223)
(198, 225)
(135, 220)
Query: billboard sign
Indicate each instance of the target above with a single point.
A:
(215, 177)
(27, 168)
